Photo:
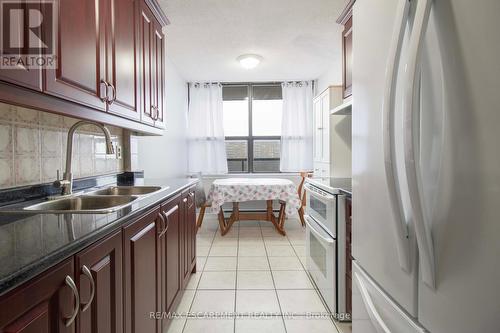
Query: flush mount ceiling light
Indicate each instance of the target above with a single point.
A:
(249, 61)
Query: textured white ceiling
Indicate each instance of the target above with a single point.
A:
(298, 39)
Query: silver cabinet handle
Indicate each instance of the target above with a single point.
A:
(154, 112)
(88, 274)
(70, 283)
(113, 89)
(163, 224)
(104, 97)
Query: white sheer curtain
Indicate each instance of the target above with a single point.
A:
(206, 145)
(297, 127)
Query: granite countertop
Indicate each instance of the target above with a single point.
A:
(32, 243)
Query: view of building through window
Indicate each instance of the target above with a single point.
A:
(252, 126)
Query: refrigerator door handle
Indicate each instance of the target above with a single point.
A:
(411, 93)
(380, 326)
(401, 229)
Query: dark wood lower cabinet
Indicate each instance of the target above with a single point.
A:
(101, 292)
(189, 236)
(141, 263)
(42, 305)
(170, 250)
(122, 280)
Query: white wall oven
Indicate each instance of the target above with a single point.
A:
(325, 245)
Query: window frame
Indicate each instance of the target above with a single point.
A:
(251, 138)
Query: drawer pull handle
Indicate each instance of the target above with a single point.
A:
(70, 283)
(164, 218)
(88, 274)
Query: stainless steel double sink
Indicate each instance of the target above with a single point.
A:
(100, 201)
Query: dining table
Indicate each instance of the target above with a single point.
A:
(236, 190)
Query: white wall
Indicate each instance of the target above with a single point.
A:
(166, 156)
(331, 77)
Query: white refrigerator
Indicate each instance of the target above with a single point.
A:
(426, 166)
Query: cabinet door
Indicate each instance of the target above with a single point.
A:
(23, 76)
(146, 23)
(41, 305)
(101, 292)
(171, 252)
(325, 124)
(191, 220)
(158, 74)
(80, 51)
(318, 137)
(347, 57)
(121, 56)
(141, 263)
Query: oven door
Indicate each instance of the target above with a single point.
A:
(320, 205)
(321, 261)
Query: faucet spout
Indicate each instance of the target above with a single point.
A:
(67, 183)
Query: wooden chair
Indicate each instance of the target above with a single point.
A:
(302, 195)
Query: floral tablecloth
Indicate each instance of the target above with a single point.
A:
(248, 189)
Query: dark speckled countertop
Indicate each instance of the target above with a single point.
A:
(32, 243)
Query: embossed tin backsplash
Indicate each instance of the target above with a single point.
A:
(33, 147)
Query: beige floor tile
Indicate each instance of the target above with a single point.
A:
(176, 326)
(285, 264)
(225, 242)
(185, 303)
(253, 264)
(254, 280)
(221, 301)
(200, 263)
(292, 280)
(280, 251)
(279, 240)
(202, 251)
(251, 242)
(300, 302)
(194, 325)
(260, 325)
(223, 251)
(300, 250)
(251, 251)
(220, 264)
(218, 280)
(309, 325)
(257, 302)
(250, 237)
(194, 280)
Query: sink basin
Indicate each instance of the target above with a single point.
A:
(127, 190)
(97, 204)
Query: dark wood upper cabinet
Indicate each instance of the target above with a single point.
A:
(146, 63)
(110, 61)
(99, 280)
(141, 264)
(122, 56)
(81, 53)
(346, 20)
(42, 305)
(158, 74)
(24, 76)
(152, 53)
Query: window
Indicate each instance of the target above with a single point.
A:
(252, 125)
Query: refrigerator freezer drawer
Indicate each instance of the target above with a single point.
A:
(375, 312)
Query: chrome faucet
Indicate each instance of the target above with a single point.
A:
(66, 184)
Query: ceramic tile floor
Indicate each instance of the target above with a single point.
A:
(251, 280)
